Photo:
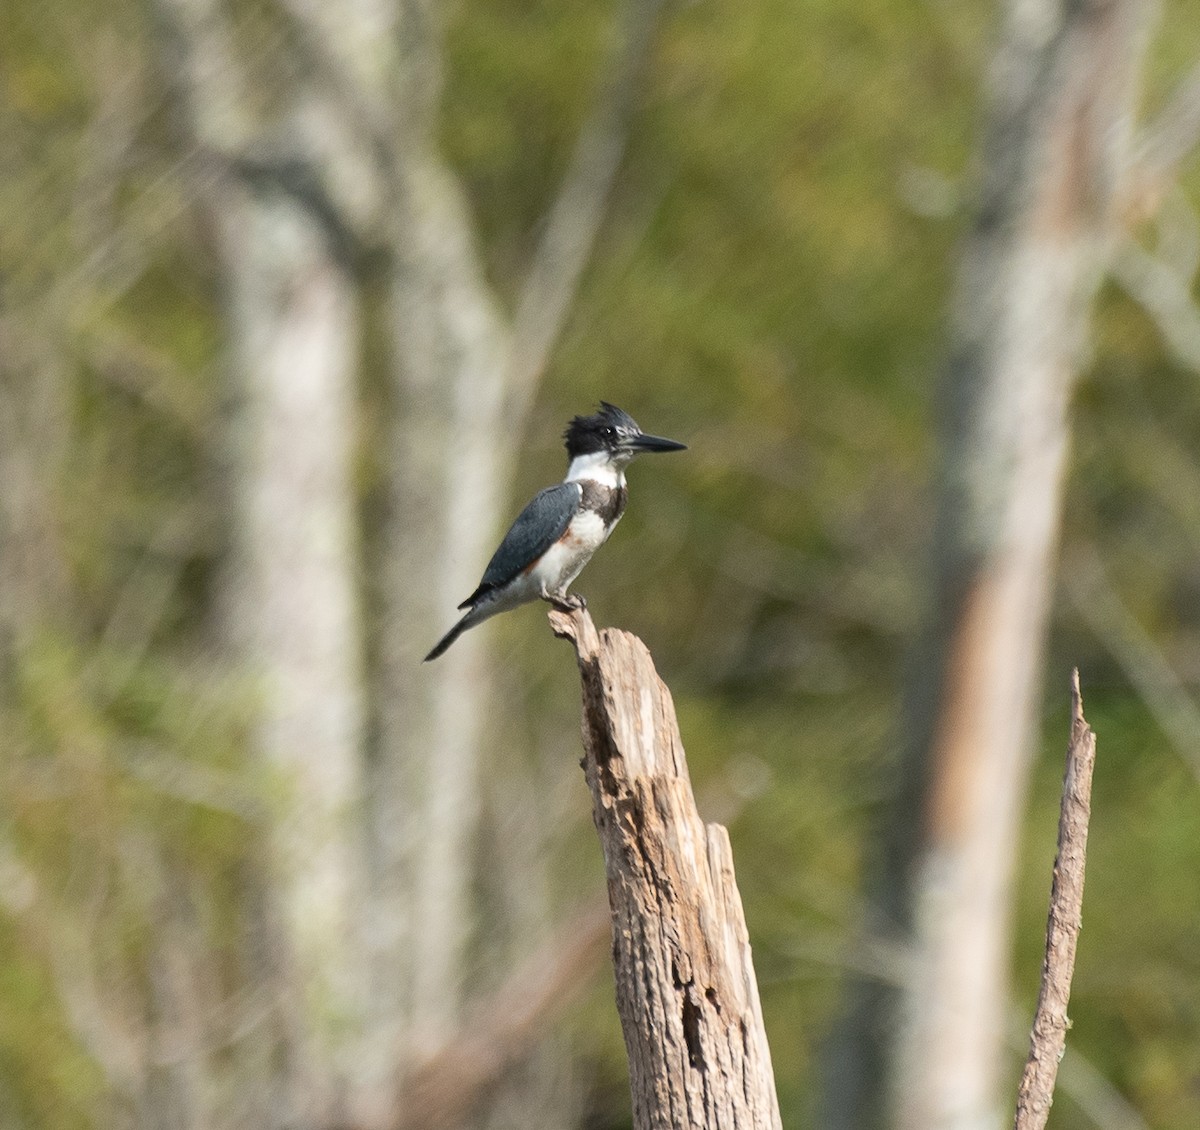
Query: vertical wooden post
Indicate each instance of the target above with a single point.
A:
(686, 991)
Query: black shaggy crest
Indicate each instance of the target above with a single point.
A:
(586, 434)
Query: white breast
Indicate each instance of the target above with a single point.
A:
(562, 562)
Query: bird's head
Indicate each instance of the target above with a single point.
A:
(610, 438)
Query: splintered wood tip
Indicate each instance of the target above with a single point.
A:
(577, 627)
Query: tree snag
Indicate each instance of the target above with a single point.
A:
(926, 1054)
(1048, 1038)
(686, 991)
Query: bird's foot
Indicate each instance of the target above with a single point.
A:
(566, 602)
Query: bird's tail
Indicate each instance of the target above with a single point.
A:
(452, 635)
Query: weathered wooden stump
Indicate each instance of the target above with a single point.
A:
(686, 991)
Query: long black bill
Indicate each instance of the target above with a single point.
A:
(654, 443)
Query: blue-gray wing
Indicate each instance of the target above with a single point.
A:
(536, 529)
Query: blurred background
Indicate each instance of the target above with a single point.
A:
(296, 298)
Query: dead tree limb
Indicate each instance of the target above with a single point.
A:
(686, 991)
(1048, 1037)
(1061, 99)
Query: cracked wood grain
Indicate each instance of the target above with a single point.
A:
(685, 985)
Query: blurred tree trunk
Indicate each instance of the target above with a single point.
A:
(290, 609)
(292, 606)
(451, 450)
(926, 1055)
(463, 376)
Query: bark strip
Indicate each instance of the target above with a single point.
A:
(686, 991)
(1048, 1038)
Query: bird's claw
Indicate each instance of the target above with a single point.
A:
(567, 602)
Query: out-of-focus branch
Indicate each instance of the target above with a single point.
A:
(1048, 1037)
(33, 578)
(376, 82)
(104, 1027)
(179, 1087)
(210, 83)
(1165, 295)
(1175, 711)
(1088, 1088)
(351, 48)
(578, 211)
(1177, 233)
(1166, 143)
(320, 168)
(1176, 132)
(138, 611)
(504, 1029)
(146, 373)
(191, 781)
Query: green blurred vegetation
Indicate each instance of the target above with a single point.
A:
(770, 287)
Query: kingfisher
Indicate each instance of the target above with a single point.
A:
(555, 536)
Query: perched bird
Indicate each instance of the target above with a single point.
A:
(555, 536)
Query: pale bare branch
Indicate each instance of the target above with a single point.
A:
(1168, 141)
(1100, 605)
(208, 76)
(1166, 296)
(578, 211)
(104, 1024)
(352, 46)
(1087, 1086)
(504, 1029)
(193, 782)
(1177, 234)
(146, 372)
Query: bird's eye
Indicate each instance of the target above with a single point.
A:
(610, 433)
